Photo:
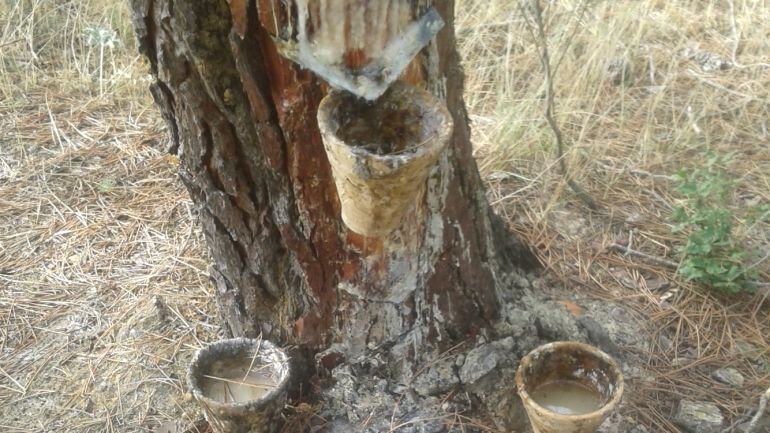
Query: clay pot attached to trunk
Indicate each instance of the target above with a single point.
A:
(568, 387)
(381, 153)
(241, 385)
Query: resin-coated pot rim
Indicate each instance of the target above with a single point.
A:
(430, 143)
(238, 407)
(609, 406)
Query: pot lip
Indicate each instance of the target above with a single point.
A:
(251, 405)
(434, 143)
(602, 411)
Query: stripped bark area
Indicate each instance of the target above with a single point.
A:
(243, 122)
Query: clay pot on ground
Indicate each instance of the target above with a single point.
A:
(568, 387)
(241, 385)
(382, 153)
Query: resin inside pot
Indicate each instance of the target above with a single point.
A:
(238, 371)
(232, 381)
(241, 385)
(567, 397)
(551, 372)
(568, 387)
(569, 378)
(392, 124)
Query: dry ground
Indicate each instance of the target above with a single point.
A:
(103, 286)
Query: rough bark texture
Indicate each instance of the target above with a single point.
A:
(243, 121)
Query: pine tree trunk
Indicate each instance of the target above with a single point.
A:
(243, 121)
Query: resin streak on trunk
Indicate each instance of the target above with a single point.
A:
(244, 121)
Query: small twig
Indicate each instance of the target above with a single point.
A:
(754, 423)
(224, 391)
(252, 385)
(734, 28)
(765, 288)
(757, 263)
(626, 251)
(550, 109)
(657, 197)
(10, 43)
(719, 86)
(22, 388)
(650, 258)
(761, 409)
(580, 12)
(737, 38)
(254, 358)
(651, 67)
(638, 172)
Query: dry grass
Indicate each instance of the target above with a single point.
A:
(627, 137)
(103, 285)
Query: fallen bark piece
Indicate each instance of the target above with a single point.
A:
(760, 421)
(484, 359)
(699, 417)
(437, 379)
(599, 336)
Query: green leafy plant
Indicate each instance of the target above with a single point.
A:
(713, 253)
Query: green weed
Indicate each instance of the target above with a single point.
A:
(714, 253)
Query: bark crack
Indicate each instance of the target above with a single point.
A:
(149, 44)
(207, 139)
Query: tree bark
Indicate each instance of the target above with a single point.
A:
(243, 121)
